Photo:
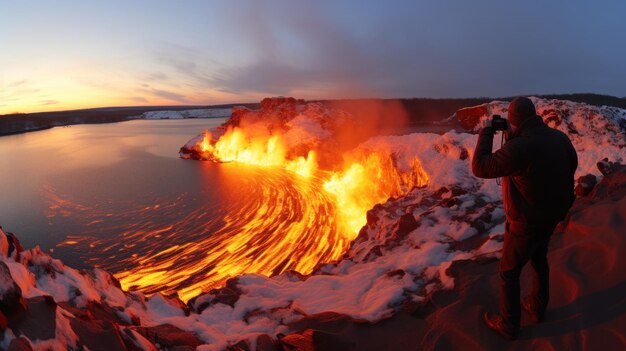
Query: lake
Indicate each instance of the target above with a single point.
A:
(117, 196)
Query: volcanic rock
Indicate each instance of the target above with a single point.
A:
(311, 340)
(470, 116)
(237, 114)
(11, 301)
(265, 343)
(170, 337)
(9, 244)
(585, 184)
(93, 310)
(605, 166)
(242, 345)
(227, 295)
(406, 224)
(20, 344)
(97, 334)
(38, 321)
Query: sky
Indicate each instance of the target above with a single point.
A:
(59, 55)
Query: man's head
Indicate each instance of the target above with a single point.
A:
(520, 109)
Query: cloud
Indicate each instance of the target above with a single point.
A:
(157, 77)
(418, 49)
(48, 102)
(332, 53)
(139, 99)
(168, 95)
(17, 83)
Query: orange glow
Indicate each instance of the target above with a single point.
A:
(366, 179)
(289, 214)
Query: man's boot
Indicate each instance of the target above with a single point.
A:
(496, 323)
(536, 313)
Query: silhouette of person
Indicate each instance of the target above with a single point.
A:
(537, 165)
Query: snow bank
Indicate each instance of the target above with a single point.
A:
(180, 114)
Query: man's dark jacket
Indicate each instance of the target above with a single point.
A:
(537, 165)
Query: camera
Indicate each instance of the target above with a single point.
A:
(499, 123)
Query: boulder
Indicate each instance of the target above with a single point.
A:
(20, 344)
(170, 337)
(311, 339)
(469, 117)
(585, 184)
(605, 166)
(265, 342)
(11, 301)
(227, 295)
(38, 321)
(15, 247)
(406, 224)
(97, 335)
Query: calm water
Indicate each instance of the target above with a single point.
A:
(117, 196)
(111, 167)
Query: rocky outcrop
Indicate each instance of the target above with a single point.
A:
(470, 116)
(585, 184)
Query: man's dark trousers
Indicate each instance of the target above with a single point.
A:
(519, 248)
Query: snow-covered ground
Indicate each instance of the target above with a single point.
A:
(400, 255)
(180, 114)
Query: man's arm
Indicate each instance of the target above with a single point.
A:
(504, 162)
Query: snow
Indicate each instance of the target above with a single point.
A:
(180, 114)
(380, 270)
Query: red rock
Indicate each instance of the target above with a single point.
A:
(20, 344)
(94, 310)
(97, 335)
(406, 224)
(237, 114)
(227, 295)
(11, 301)
(585, 184)
(265, 343)
(15, 247)
(298, 341)
(470, 116)
(38, 321)
(311, 339)
(169, 337)
(242, 345)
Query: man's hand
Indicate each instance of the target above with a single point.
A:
(487, 129)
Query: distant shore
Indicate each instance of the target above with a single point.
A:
(30, 122)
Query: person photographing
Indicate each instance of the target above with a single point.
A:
(537, 165)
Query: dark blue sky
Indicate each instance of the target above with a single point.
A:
(65, 54)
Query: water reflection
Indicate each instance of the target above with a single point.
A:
(117, 196)
(267, 221)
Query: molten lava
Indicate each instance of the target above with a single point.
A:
(300, 204)
(365, 179)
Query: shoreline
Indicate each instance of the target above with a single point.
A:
(38, 129)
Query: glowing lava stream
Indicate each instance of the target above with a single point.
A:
(287, 215)
(271, 223)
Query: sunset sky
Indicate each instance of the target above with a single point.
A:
(57, 55)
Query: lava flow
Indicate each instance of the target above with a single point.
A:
(266, 222)
(290, 201)
(366, 178)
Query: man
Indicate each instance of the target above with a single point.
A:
(537, 165)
